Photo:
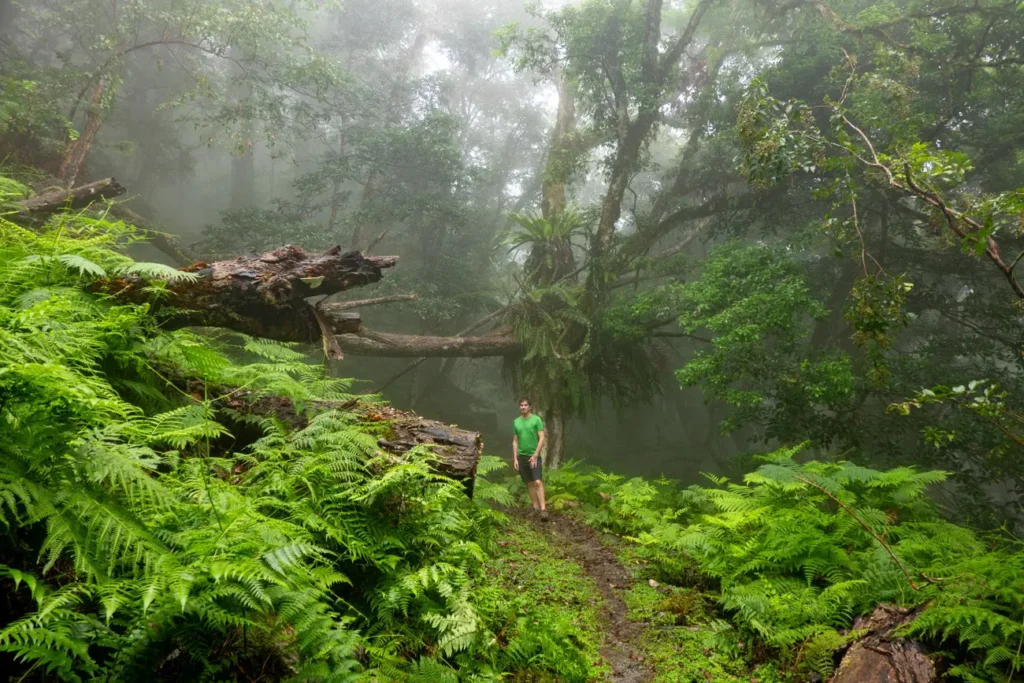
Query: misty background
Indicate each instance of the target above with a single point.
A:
(417, 127)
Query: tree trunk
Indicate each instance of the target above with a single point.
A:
(881, 656)
(243, 162)
(77, 151)
(554, 437)
(559, 165)
(366, 208)
(156, 234)
(266, 296)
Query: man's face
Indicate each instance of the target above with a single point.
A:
(524, 407)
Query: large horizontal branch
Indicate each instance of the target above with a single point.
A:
(330, 308)
(263, 295)
(76, 198)
(364, 342)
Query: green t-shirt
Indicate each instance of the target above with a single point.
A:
(528, 431)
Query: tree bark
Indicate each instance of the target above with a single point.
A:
(263, 296)
(77, 151)
(882, 657)
(554, 437)
(77, 198)
(556, 172)
(266, 296)
(363, 342)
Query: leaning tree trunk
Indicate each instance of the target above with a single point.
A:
(77, 151)
(550, 262)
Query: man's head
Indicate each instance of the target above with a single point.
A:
(524, 406)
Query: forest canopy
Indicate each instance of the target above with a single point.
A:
(246, 244)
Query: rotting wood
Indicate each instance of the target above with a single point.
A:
(883, 657)
(263, 296)
(59, 199)
(458, 450)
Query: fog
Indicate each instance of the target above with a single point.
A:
(418, 129)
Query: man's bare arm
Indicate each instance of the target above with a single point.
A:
(540, 445)
(515, 451)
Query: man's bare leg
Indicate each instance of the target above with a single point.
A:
(540, 494)
(532, 488)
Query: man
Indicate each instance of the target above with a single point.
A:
(526, 444)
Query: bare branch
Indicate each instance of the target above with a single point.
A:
(362, 303)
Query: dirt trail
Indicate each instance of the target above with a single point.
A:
(581, 543)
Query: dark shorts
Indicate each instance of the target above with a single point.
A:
(531, 473)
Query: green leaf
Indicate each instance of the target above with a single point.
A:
(82, 265)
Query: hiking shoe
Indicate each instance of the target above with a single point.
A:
(543, 515)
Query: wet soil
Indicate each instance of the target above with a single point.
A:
(584, 545)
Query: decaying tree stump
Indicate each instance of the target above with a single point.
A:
(882, 657)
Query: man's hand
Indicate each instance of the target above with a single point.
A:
(515, 463)
(533, 460)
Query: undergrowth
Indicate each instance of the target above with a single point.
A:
(792, 554)
(140, 541)
(545, 609)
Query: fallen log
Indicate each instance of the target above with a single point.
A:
(263, 296)
(883, 657)
(457, 450)
(59, 199)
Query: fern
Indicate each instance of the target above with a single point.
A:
(150, 549)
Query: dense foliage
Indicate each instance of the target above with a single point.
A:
(137, 542)
(797, 550)
(738, 225)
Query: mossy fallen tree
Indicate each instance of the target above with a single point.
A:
(457, 450)
(268, 295)
(272, 295)
(59, 199)
(263, 295)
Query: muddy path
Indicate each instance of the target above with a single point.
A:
(581, 543)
